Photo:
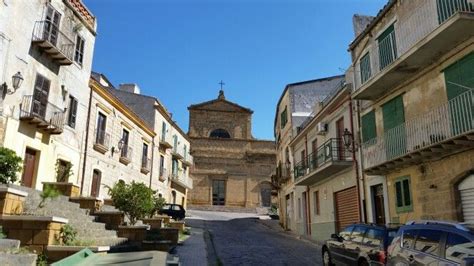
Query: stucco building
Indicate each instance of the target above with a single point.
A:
(413, 76)
(231, 168)
(49, 44)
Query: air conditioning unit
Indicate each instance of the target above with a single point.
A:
(321, 128)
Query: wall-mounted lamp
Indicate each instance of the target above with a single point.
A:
(65, 92)
(348, 138)
(121, 143)
(17, 79)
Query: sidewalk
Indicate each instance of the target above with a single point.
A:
(275, 226)
(193, 250)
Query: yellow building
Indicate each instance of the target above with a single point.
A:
(414, 79)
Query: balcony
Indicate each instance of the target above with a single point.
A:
(188, 159)
(53, 42)
(126, 154)
(444, 130)
(146, 165)
(165, 141)
(283, 173)
(329, 159)
(163, 174)
(44, 115)
(181, 179)
(177, 153)
(102, 141)
(419, 38)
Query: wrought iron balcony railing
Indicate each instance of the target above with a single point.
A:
(102, 140)
(44, 115)
(53, 42)
(126, 154)
(146, 165)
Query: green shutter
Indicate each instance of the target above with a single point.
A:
(365, 70)
(387, 47)
(403, 195)
(459, 78)
(369, 130)
(393, 124)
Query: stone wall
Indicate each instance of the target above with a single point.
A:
(202, 122)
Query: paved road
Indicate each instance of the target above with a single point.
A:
(244, 239)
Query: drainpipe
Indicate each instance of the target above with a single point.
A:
(152, 159)
(308, 216)
(361, 161)
(356, 165)
(87, 140)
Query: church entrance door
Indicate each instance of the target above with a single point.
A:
(218, 192)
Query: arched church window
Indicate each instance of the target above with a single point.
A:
(220, 133)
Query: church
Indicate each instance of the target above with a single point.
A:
(231, 168)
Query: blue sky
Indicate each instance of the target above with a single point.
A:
(179, 50)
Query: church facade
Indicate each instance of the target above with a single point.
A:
(231, 168)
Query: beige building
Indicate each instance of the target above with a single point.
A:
(49, 44)
(172, 160)
(120, 145)
(232, 169)
(414, 69)
(294, 107)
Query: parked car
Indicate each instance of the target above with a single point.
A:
(176, 211)
(433, 243)
(359, 244)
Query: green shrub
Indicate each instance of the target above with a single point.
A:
(10, 165)
(63, 171)
(134, 199)
(158, 203)
(49, 192)
(68, 235)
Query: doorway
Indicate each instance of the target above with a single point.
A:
(173, 194)
(96, 178)
(378, 201)
(218, 192)
(339, 136)
(288, 212)
(29, 168)
(266, 194)
(305, 213)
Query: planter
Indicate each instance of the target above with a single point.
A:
(178, 225)
(171, 234)
(92, 204)
(65, 188)
(166, 219)
(161, 245)
(108, 202)
(155, 223)
(11, 200)
(55, 253)
(111, 219)
(135, 234)
(36, 232)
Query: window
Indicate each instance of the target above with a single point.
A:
(175, 167)
(145, 155)
(458, 248)
(71, 118)
(369, 130)
(403, 194)
(365, 71)
(220, 133)
(40, 96)
(284, 118)
(100, 131)
(387, 47)
(162, 165)
(409, 238)
(394, 118)
(316, 202)
(373, 237)
(163, 131)
(51, 25)
(346, 233)
(428, 241)
(358, 234)
(63, 170)
(303, 158)
(79, 51)
(185, 169)
(124, 140)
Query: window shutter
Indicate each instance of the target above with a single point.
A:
(369, 130)
(72, 112)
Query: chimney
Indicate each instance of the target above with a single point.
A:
(360, 22)
(130, 87)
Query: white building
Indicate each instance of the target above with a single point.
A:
(50, 43)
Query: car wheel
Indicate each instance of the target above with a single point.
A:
(363, 262)
(327, 261)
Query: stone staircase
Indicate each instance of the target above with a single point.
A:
(88, 230)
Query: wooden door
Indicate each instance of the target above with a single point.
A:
(379, 208)
(96, 178)
(218, 192)
(51, 30)
(29, 168)
(347, 208)
(339, 136)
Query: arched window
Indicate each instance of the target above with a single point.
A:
(220, 133)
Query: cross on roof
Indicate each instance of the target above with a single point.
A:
(222, 84)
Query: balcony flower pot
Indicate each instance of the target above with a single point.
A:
(65, 188)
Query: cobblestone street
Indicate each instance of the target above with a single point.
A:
(243, 239)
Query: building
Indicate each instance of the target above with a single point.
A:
(119, 144)
(232, 169)
(48, 45)
(413, 79)
(325, 169)
(172, 159)
(293, 108)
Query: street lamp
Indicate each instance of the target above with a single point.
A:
(347, 137)
(17, 79)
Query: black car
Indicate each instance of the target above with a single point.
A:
(433, 243)
(176, 211)
(359, 244)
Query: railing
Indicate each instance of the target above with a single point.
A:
(48, 32)
(146, 163)
(102, 137)
(188, 158)
(449, 120)
(332, 150)
(423, 18)
(126, 152)
(163, 174)
(45, 111)
(177, 151)
(181, 178)
(283, 173)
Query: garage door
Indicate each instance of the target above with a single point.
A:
(466, 187)
(347, 208)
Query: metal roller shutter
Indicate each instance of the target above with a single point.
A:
(466, 188)
(347, 207)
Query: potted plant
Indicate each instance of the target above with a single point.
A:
(11, 200)
(62, 184)
(155, 222)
